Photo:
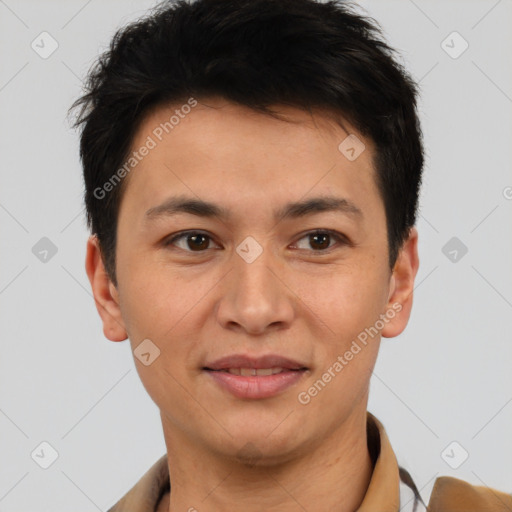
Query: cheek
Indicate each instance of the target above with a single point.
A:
(350, 309)
(349, 345)
(349, 300)
(169, 310)
(163, 314)
(154, 300)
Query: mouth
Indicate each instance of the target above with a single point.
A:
(255, 378)
(258, 372)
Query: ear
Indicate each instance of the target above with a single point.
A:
(105, 293)
(401, 287)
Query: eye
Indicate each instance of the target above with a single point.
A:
(194, 241)
(320, 239)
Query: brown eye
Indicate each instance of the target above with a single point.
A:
(193, 241)
(321, 240)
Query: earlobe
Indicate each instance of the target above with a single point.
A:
(400, 299)
(104, 292)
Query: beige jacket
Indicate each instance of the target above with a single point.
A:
(383, 494)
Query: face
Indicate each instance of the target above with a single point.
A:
(252, 254)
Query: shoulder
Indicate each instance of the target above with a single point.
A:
(453, 495)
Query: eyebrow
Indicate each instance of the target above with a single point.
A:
(200, 208)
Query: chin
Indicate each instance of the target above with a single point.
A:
(263, 447)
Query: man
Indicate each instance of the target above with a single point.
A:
(252, 172)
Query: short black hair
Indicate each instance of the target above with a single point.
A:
(260, 54)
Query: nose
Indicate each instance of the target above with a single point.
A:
(255, 298)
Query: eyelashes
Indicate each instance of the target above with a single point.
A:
(316, 236)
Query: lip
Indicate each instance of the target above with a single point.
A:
(245, 361)
(255, 386)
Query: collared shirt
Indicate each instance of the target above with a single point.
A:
(391, 488)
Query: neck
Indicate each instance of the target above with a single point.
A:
(333, 476)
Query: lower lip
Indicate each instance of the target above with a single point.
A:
(254, 386)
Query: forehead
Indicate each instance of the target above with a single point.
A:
(220, 149)
(212, 119)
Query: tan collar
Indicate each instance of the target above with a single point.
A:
(382, 494)
(454, 495)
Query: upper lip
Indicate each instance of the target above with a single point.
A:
(245, 361)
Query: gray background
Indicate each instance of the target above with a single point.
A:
(446, 378)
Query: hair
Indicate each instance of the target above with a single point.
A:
(260, 54)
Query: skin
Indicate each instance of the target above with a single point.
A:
(296, 300)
